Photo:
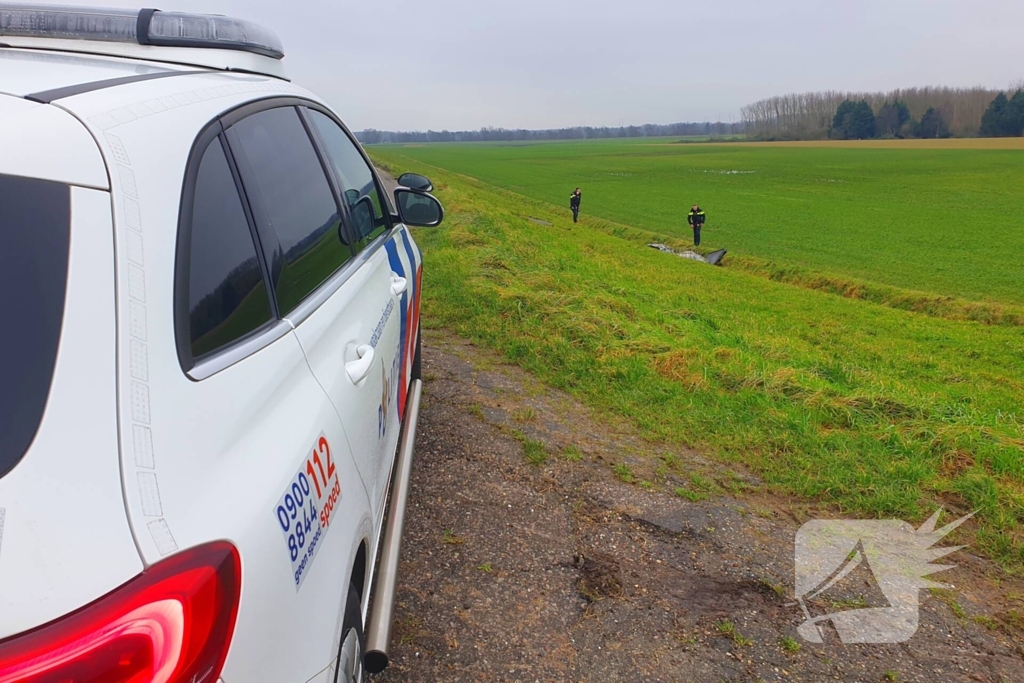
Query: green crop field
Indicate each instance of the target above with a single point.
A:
(925, 215)
(821, 384)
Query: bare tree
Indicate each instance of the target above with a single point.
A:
(808, 116)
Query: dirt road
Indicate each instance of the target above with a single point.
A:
(578, 569)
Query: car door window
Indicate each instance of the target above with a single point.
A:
(227, 295)
(363, 197)
(295, 208)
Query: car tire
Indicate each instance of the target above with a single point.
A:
(417, 372)
(350, 654)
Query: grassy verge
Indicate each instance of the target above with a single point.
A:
(936, 305)
(876, 411)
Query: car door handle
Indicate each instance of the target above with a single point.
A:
(398, 284)
(358, 369)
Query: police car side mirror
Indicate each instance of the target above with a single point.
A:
(415, 181)
(418, 208)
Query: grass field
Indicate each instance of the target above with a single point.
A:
(939, 217)
(872, 410)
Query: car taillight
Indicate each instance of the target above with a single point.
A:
(171, 624)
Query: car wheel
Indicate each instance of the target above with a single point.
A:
(350, 656)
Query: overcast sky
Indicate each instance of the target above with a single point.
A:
(464, 64)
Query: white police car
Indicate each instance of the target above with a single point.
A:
(210, 345)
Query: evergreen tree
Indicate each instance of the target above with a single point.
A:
(932, 125)
(1004, 117)
(1014, 117)
(841, 119)
(992, 121)
(861, 123)
(853, 121)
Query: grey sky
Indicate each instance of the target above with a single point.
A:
(463, 64)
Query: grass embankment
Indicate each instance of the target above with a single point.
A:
(873, 410)
(941, 217)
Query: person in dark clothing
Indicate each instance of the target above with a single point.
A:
(574, 204)
(696, 219)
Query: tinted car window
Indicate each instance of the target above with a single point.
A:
(35, 218)
(227, 296)
(297, 210)
(358, 187)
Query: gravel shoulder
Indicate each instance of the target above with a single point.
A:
(536, 550)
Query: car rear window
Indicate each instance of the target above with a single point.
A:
(35, 225)
(227, 296)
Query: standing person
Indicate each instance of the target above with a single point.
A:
(696, 219)
(574, 204)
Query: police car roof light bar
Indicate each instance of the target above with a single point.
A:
(144, 27)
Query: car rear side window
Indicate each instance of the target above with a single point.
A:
(295, 208)
(35, 220)
(360, 190)
(227, 295)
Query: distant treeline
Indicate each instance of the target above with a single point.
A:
(719, 129)
(917, 112)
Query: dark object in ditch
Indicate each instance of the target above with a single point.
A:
(715, 257)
